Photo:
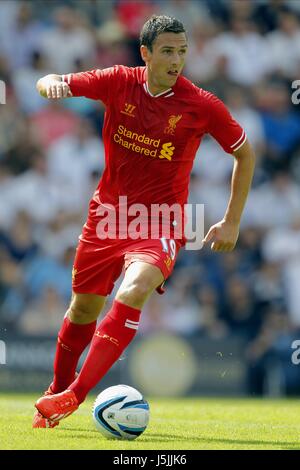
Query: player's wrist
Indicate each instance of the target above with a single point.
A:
(231, 219)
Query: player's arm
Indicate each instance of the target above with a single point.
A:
(243, 170)
(225, 233)
(98, 84)
(53, 87)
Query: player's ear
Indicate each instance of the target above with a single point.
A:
(144, 53)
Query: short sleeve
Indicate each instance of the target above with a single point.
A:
(94, 84)
(223, 127)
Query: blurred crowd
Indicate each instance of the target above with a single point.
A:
(52, 155)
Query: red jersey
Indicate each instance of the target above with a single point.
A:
(151, 141)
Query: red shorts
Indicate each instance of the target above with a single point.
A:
(99, 263)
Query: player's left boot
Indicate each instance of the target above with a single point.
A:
(39, 421)
(58, 406)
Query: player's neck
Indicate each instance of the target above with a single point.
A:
(153, 88)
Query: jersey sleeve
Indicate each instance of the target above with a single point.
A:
(94, 84)
(223, 127)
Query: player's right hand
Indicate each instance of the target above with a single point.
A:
(55, 90)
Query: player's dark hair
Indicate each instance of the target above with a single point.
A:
(156, 25)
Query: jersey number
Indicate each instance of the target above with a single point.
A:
(169, 246)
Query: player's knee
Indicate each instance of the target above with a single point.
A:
(81, 314)
(134, 294)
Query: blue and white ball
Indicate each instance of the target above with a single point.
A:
(120, 412)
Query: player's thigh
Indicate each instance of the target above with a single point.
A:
(146, 274)
(85, 308)
(139, 282)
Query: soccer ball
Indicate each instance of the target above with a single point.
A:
(120, 412)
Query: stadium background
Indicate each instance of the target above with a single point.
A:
(227, 321)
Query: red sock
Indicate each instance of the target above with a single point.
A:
(113, 335)
(72, 341)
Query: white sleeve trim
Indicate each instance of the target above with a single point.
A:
(66, 78)
(238, 141)
(241, 144)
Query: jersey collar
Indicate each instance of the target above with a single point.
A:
(165, 94)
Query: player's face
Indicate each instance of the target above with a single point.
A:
(166, 61)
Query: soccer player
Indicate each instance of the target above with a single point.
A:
(154, 122)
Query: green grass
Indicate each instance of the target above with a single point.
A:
(186, 423)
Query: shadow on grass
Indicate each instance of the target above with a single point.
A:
(149, 437)
(94, 431)
(170, 438)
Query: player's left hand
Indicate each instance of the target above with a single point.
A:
(224, 236)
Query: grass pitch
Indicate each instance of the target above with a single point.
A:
(175, 424)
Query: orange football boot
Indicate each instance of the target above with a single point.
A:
(58, 406)
(39, 421)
